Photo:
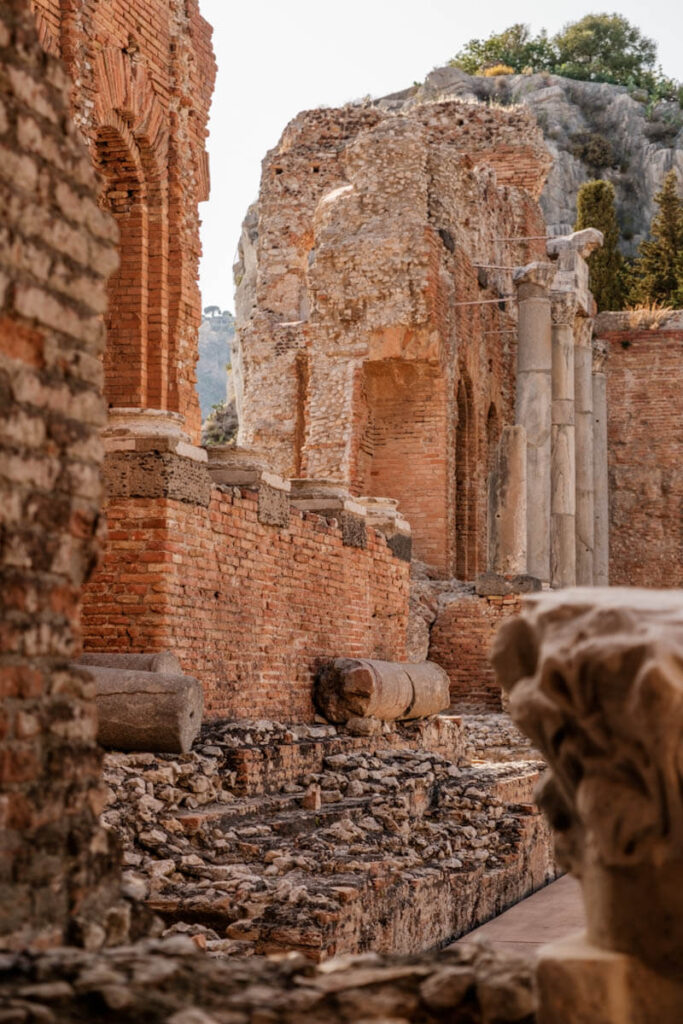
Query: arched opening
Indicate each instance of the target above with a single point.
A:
(465, 484)
(400, 449)
(124, 195)
(157, 280)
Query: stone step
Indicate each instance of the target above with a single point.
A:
(381, 909)
(405, 848)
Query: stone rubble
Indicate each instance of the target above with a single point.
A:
(168, 982)
(330, 852)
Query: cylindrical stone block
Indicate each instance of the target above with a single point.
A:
(600, 477)
(563, 457)
(534, 403)
(162, 661)
(146, 710)
(585, 469)
(507, 551)
(364, 688)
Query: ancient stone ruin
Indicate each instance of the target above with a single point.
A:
(310, 783)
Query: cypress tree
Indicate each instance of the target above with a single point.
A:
(657, 273)
(595, 209)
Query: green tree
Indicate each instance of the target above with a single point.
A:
(598, 48)
(605, 48)
(657, 271)
(595, 209)
(514, 46)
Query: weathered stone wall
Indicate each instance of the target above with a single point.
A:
(142, 79)
(249, 608)
(644, 444)
(461, 640)
(364, 355)
(56, 250)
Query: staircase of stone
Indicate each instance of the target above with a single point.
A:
(267, 838)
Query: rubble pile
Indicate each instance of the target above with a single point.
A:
(167, 982)
(494, 737)
(267, 838)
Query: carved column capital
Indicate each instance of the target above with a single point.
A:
(563, 307)
(595, 677)
(600, 355)
(539, 273)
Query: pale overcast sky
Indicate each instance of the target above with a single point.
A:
(278, 57)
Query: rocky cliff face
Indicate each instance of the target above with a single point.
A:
(593, 130)
(216, 336)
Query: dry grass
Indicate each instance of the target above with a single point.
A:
(649, 315)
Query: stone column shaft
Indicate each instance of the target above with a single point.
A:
(563, 456)
(534, 401)
(507, 552)
(585, 470)
(600, 476)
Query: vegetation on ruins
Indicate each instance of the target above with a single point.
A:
(656, 274)
(595, 208)
(221, 425)
(597, 48)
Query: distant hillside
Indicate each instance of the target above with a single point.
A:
(215, 343)
(592, 129)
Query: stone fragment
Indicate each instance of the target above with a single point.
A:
(596, 680)
(163, 661)
(363, 688)
(447, 988)
(147, 711)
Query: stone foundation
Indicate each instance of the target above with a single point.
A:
(270, 838)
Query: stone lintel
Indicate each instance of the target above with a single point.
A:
(582, 242)
(149, 430)
(156, 474)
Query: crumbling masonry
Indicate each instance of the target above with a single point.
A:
(392, 828)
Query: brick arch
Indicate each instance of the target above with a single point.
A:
(123, 86)
(125, 100)
(466, 503)
(124, 194)
(47, 37)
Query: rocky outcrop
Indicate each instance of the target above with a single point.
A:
(584, 124)
(216, 336)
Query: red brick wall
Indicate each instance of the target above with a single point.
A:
(248, 608)
(404, 450)
(56, 248)
(645, 433)
(143, 75)
(460, 642)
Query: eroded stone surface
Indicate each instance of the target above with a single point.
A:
(596, 679)
(168, 982)
(270, 838)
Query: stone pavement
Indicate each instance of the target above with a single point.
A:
(551, 913)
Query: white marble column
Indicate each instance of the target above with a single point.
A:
(600, 474)
(563, 458)
(585, 469)
(534, 405)
(507, 550)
